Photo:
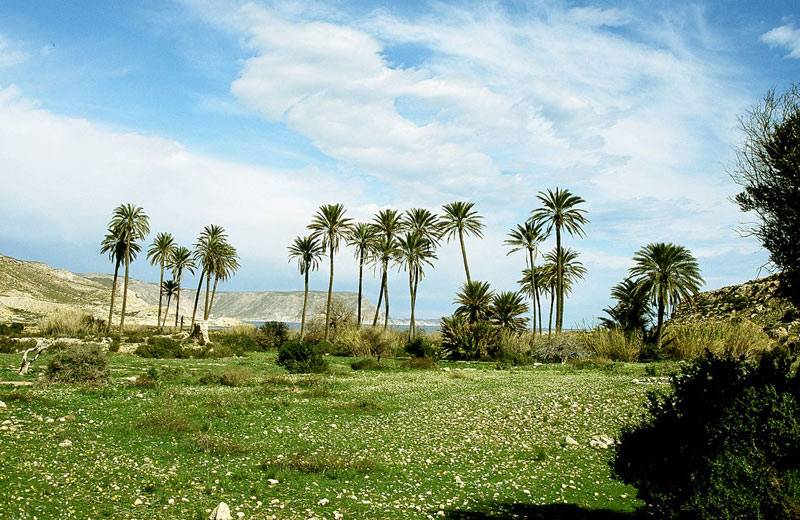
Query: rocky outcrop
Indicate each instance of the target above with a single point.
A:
(760, 301)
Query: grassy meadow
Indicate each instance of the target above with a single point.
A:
(172, 438)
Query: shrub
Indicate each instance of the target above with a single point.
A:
(514, 348)
(350, 342)
(558, 348)
(78, 364)
(420, 363)
(613, 344)
(12, 346)
(227, 377)
(299, 358)
(71, 323)
(734, 337)
(725, 443)
(217, 351)
(367, 364)
(380, 343)
(162, 347)
(462, 340)
(423, 347)
(272, 334)
(237, 339)
(11, 329)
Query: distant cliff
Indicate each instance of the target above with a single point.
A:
(29, 290)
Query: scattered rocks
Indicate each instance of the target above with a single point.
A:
(66, 443)
(221, 512)
(570, 441)
(602, 442)
(138, 502)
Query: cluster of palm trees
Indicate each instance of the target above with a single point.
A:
(410, 239)
(663, 275)
(216, 257)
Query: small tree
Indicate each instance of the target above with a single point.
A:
(768, 169)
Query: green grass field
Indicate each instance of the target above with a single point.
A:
(461, 441)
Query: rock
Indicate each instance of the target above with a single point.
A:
(602, 442)
(569, 441)
(221, 512)
(66, 443)
(3, 405)
(138, 502)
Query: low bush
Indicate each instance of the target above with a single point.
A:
(462, 340)
(301, 358)
(162, 347)
(420, 363)
(12, 346)
(71, 323)
(514, 348)
(242, 338)
(423, 347)
(734, 337)
(613, 344)
(380, 343)
(272, 334)
(78, 364)
(228, 377)
(368, 364)
(724, 443)
(11, 329)
(558, 348)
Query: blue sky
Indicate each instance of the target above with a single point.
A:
(251, 114)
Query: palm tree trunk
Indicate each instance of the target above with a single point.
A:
(533, 293)
(550, 321)
(360, 285)
(125, 290)
(177, 303)
(113, 295)
(380, 301)
(330, 295)
(305, 305)
(213, 295)
(160, 294)
(660, 322)
(464, 253)
(411, 298)
(559, 280)
(208, 290)
(539, 306)
(166, 313)
(197, 298)
(386, 299)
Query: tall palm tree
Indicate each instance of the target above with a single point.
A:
(114, 245)
(388, 223)
(307, 251)
(181, 261)
(160, 252)
(560, 211)
(131, 224)
(668, 273)
(527, 237)
(330, 224)
(169, 288)
(361, 238)
(208, 244)
(474, 301)
(572, 270)
(632, 310)
(424, 222)
(226, 264)
(414, 251)
(460, 219)
(508, 309)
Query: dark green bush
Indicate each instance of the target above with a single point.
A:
(368, 364)
(422, 347)
(298, 358)
(162, 347)
(237, 342)
(11, 329)
(78, 364)
(272, 334)
(725, 443)
(420, 363)
(462, 340)
(11, 346)
(227, 377)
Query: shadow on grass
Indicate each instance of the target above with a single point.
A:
(533, 512)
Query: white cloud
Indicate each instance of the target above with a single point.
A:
(10, 54)
(785, 37)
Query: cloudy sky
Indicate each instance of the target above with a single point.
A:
(252, 114)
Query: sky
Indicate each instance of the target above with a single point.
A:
(251, 115)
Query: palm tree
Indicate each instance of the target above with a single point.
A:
(226, 263)
(181, 261)
(361, 237)
(114, 245)
(425, 222)
(668, 274)
(160, 252)
(632, 311)
(208, 244)
(307, 251)
(474, 301)
(388, 223)
(527, 237)
(414, 251)
(169, 288)
(508, 309)
(461, 219)
(330, 224)
(131, 224)
(572, 270)
(560, 210)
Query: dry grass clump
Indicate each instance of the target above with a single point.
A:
(613, 344)
(70, 323)
(737, 338)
